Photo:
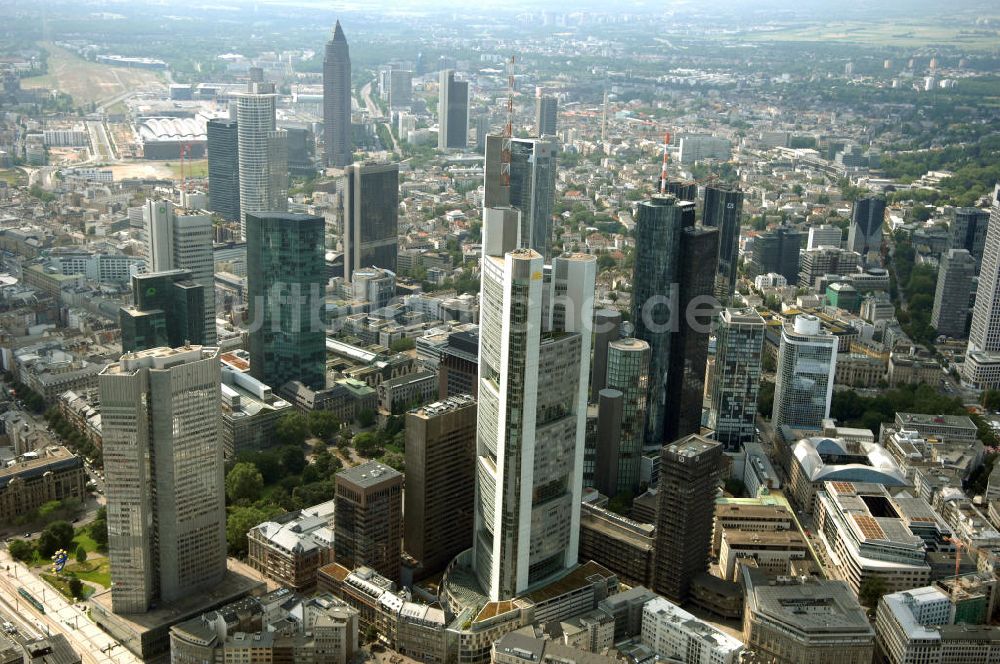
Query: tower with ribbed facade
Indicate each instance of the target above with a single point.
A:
(263, 153)
(164, 465)
(533, 372)
(337, 100)
(982, 358)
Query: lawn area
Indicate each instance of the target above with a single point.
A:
(95, 570)
(87, 81)
(83, 539)
(13, 176)
(192, 169)
(61, 583)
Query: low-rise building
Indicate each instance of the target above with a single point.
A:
(396, 395)
(918, 627)
(771, 551)
(815, 461)
(794, 620)
(622, 545)
(35, 478)
(674, 634)
(250, 412)
(279, 626)
(867, 539)
(292, 547)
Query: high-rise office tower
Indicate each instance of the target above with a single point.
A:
(807, 363)
(967, 228)
(723, 209)
(286, 281)
(168, 309)
(400, 88)
(696, 310)
(177, 239)
(628, 372)
(739, 343)
(165, 485)
(440, 481)
(689, 478)
(607, 328)
(954, 290)
(824, 235)
(337, 100)
(777, 251)
(814, 264)
(684, 190)
(982, 358)
(223, 168)
(865, 234)
(482, 130)
(533, 368)
(532, 187)
(658, 227)
(371, 217)
(263, 173)
(368, 528)
(546, 112)
(453, 111)
(603, 443)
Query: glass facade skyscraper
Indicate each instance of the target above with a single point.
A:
(628, 372)
(865, 234)
(736, 383)
(371, 217)
(286, 281)
(453, 111)
(807, 362)
(532, 187)
(723, 209)
(223, 168)
(168, 310)
(697, 259)
(337, 100)
(533, 369)
(658, 227)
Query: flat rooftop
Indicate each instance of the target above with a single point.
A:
(368, 474)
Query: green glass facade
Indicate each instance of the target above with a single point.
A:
(286, 280)
(168, 310)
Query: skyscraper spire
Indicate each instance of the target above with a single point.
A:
(337, 100)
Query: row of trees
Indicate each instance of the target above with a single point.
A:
(72, 437)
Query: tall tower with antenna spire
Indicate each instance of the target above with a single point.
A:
(337, 100)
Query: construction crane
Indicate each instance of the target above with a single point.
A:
(184, 150)
(508, 129)
(663, 169)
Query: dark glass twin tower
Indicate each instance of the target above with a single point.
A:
(675, 267)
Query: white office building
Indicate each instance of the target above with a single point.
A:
(677, 636)
(807, 361)
(263, 153)
(982, 359)
(533, 372)
(179, 239)
(917, 627)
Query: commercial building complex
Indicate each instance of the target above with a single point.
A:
(224, 168)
